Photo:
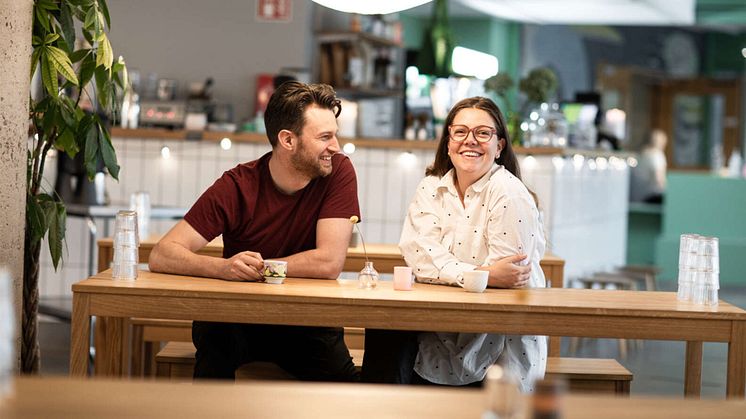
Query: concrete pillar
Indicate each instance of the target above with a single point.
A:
(15, 64)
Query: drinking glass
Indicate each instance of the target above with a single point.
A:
(688, 250)
(7, 336)
(126, 242)
(140, 203)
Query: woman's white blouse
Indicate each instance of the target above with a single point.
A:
(442, 238)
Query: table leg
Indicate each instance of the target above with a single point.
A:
(736, 384)
(80, 335)
(693, 369)
(109, 340)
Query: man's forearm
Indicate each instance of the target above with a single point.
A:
(176, 259)
(316, 263)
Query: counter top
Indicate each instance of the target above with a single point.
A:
(384, 143)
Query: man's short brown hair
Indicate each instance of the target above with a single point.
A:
(288, 104)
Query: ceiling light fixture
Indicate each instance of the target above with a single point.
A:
(371, 7)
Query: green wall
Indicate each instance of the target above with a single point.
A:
(723, 54)
(643, 230)
(710, 206)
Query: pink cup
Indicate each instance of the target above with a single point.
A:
(403, 278)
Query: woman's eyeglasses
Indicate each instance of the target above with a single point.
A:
(482, 133)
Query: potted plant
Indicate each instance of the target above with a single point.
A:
(537, 87)
(59, 122)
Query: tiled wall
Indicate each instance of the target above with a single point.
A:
(584, 208)
(585, 203)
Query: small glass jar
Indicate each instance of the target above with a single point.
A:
(368, 277)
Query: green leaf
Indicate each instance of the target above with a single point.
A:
(86, 70)
(79, 54)
(104, 55)
(91, 151)
(105, 11)
(42, 17)
(35, 61)
(86, 3)
(47, 5)
(107, 152)
(62, 64)
(90, 19)
(67, 111)
(48, 121)
(68, 27)
(49, 75)
(88, 36)
(35, 219)
(102, 94)
(66, 142)
(35, 41)
(119, 70)
(51, 37)
(56, 215)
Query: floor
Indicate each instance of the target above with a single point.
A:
(658, 366)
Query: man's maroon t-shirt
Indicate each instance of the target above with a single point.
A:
(252, 214)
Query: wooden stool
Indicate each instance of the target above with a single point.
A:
(588, 375)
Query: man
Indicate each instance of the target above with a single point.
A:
(292, 204)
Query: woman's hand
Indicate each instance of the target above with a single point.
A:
(506, 273)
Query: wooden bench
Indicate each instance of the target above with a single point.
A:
(176, 362)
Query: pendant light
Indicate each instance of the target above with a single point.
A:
(371, 7)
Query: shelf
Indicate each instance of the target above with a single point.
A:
(332, 37)
(256, 138)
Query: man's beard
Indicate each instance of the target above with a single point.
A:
(306, 165)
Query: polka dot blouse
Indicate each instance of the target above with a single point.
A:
(442, 238)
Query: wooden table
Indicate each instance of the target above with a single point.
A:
(384, 257)
(84, 399)
(308, 302)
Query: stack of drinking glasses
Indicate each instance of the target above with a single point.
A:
(699, 269)
(126, 242)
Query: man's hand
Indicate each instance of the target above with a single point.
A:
(244, 266)
(506, 273)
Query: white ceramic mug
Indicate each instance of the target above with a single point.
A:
(475, 281)
(402, 278)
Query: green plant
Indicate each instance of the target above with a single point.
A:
(537, 87)
(58, 121)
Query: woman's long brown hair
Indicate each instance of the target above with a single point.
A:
(442, 163)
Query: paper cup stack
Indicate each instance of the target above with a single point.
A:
(699, 269)
(126, 242)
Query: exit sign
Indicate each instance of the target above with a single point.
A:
(274, 10)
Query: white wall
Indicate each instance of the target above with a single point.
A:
(189, 40)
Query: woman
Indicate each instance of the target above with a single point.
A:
(470, 212)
